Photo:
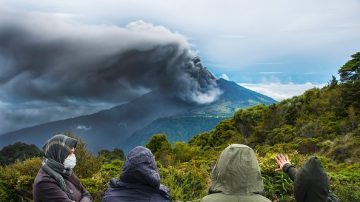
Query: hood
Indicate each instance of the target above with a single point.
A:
(311, 182)
(140, 168)
(58, 147)
(237, 172)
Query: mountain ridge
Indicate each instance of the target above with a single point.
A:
(113, 127)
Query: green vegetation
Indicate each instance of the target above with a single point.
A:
(112, 155)
(18, 151)
(16, 180)
(323, 122)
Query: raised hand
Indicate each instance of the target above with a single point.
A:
(281, 160)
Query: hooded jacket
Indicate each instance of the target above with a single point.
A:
(236, 177)
(46, 189)
(311, 183)
(139, 180)
(54, 182)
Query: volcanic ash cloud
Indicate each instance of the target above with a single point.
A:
(50, 58)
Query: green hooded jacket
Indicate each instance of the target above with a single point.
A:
(236, 177)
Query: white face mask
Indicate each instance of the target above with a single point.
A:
(70, 161)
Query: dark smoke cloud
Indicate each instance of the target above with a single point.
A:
(18, 116)
(52, 59)
(49, 58)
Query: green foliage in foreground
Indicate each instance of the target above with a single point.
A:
(16, 180)
(322, 122)
(189, 180)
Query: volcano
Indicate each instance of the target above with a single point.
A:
(133, 123)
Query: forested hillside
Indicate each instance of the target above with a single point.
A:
(323, 122)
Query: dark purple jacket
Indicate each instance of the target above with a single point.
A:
(46, 189)
(139, 180)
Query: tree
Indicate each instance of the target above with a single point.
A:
(350, 77)
(246, 120)
(183, 152)
(160, 147)
(112, 155)
(18, 151)
(333, 82)
(350, 72)
(352, 118)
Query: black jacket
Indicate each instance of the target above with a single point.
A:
(139, 180)
(311, 183)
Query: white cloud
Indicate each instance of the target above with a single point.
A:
(224, 76)
(207, 97)
(280, 91)
(82, 127)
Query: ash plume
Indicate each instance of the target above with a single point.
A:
(57, 61)
(48, 58)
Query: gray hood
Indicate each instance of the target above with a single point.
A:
(237, 172)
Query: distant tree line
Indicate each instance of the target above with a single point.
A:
(18, 151)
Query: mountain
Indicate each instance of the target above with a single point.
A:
(133, 123)
(183, 126)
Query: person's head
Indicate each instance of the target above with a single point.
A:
(61, 148)
(237, 172)
(140, 168)
(311, 182)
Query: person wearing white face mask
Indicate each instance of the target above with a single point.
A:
(70, 161)
(56, 180)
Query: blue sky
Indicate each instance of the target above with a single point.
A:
(279, 48)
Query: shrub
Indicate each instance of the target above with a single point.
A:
(187, 181)
(98, 183)
(16, 180)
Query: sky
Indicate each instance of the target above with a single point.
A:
(279, 48)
